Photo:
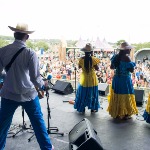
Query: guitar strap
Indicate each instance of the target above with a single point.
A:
(13, 59)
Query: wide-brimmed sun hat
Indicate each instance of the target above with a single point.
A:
(22, 28)
(125, 46)
(88, 48)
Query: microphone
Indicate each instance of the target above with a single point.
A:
(49, 77)
(47, 87)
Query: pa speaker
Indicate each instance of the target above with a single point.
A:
(84, 137)
(103, 88)
(63, 87)
(139, 96)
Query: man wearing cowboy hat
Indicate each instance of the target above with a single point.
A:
(18, 88)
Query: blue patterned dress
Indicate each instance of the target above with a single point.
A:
(122, 98)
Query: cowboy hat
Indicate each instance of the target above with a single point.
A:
(125, 46)
(22, 28)
(88, 48)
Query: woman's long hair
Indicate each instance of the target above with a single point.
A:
(88, 61)
(118, 57)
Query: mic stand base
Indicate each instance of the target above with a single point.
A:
(23, 126)
(49, 131)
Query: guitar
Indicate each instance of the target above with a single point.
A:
(40, 93)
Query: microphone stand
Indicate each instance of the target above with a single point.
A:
(75, 79)
(75, 69)
(49, 129)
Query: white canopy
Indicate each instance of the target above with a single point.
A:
(80, 43)
(99, 44)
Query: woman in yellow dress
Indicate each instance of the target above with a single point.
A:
(122, 99)
(87, 92)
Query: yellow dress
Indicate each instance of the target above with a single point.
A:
(87, 92)
(122, 98)
(88, 79)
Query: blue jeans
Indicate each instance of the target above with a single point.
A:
(33, 110)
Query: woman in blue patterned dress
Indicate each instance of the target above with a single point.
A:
(122, 99)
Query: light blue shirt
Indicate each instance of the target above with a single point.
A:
(23, 75)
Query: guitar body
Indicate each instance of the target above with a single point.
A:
(40, 93)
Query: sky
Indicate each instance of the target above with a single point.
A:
(71, 19)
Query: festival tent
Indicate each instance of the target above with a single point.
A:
(103, 46)
(98, 44)
(107, 46)
(80, 43)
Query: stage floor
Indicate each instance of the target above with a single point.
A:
(133, 134)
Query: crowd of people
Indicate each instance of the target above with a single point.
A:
(66, 70)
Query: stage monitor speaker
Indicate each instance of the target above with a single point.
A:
(84, 137)
(63, 87)
(103, 88)
(139, 96)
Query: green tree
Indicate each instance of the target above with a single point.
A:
(30, 44)
(71, 43)
(139, 46)
(42, 44)
(3, 43)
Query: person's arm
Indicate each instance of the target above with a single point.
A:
(34, 72)
(128, 59)
(112, 66)
(131, 70)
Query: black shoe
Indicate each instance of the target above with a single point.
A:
(94, 111)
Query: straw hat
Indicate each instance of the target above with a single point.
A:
(22, 28)
(125, 46)
(88, 48)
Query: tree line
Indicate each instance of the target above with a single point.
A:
(46, 44)
(35, 44)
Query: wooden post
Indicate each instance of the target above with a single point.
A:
(62, 50)
(132, 54)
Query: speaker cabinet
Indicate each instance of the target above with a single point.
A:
(63, 87)
(103, 88)
(139, 96)
(84, 137)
